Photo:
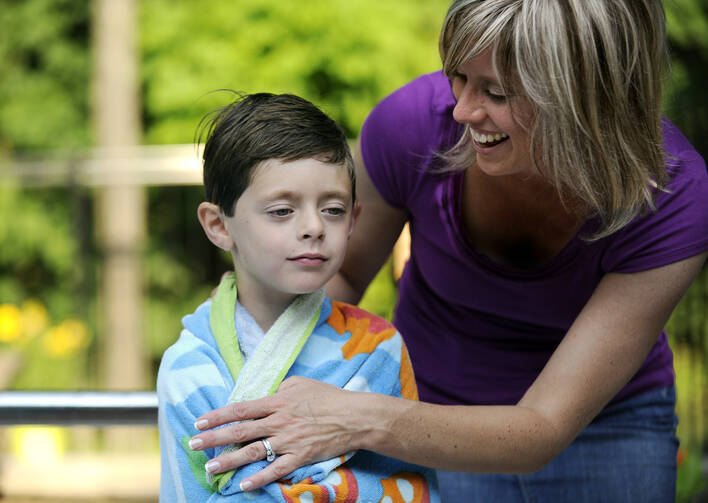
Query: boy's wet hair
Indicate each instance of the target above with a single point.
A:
(259, 127)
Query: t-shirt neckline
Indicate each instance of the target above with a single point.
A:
(563, 257)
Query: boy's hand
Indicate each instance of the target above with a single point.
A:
(305, 421)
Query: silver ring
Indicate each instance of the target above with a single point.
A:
(270, 453)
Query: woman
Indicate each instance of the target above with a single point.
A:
(552, 236)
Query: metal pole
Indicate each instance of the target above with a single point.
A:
(96, 408)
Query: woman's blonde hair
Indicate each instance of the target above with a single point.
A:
(593, 71)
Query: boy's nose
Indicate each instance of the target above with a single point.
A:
(312, 227)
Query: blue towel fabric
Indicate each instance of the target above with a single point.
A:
(348, 348)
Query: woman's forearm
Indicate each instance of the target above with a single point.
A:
(307, 421)
(497, 439)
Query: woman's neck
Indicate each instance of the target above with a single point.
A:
(517, 220)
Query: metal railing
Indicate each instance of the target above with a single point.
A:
(69, 408)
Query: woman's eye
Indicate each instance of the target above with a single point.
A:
(496, 96)
(281, 212)
(457, 75)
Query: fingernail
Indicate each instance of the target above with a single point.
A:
(195, 443)
(212, 466)
(245, 485)
(201, 424)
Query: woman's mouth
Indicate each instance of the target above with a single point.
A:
(488, 140)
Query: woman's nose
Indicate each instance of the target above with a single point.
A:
(469, 108)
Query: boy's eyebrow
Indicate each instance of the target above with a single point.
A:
(281, 194)
(342, 194)
(289, 194)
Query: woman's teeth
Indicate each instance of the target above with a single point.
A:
(488, 139)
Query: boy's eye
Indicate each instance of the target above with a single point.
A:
(281, 212)
(335, 211)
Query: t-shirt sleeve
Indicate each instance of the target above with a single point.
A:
(678, 229)
(402, 135)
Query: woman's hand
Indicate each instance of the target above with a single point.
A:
(305, 421)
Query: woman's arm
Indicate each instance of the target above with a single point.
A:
(377, 227)
(603, 349)
(606, 345)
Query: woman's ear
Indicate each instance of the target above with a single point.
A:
(212, 220)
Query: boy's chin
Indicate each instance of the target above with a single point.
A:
(303, 289)
(306, 290)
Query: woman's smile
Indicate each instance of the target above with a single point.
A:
(487, 140)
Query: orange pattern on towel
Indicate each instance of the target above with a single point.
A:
(392, 491)
(409, 389)
(347, 491)
(368, 331)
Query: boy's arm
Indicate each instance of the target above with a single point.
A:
(190, 382)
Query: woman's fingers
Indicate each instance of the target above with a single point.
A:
(305, 421)
(256, 451)
(278, 469)
(238, 433)
(235, 412)
(283, 465)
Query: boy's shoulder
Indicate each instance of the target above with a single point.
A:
(195, 348)
(196, 333)
(365, 331)
(344, 314)
(364, 334)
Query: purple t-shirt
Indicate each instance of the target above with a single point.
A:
(479, 332)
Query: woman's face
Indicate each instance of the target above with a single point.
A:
(501, 142)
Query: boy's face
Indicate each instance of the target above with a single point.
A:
(290, 228)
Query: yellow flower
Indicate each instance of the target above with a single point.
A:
(10, 323)
(34, 318)
(66, 339)
(27, 441)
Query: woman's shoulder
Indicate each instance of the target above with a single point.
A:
(683, 162)
(429, 89)
(423, 106)
(403, 135)
(677, 227)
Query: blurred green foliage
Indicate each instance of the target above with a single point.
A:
(344, 55)
(44, 63)
(689, 478)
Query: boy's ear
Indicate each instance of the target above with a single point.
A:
(212, 220)
(355, 215)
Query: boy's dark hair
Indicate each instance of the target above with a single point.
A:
(262, 126)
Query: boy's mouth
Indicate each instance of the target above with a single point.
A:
(309, 259)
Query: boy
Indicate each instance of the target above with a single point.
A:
(279, 181)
